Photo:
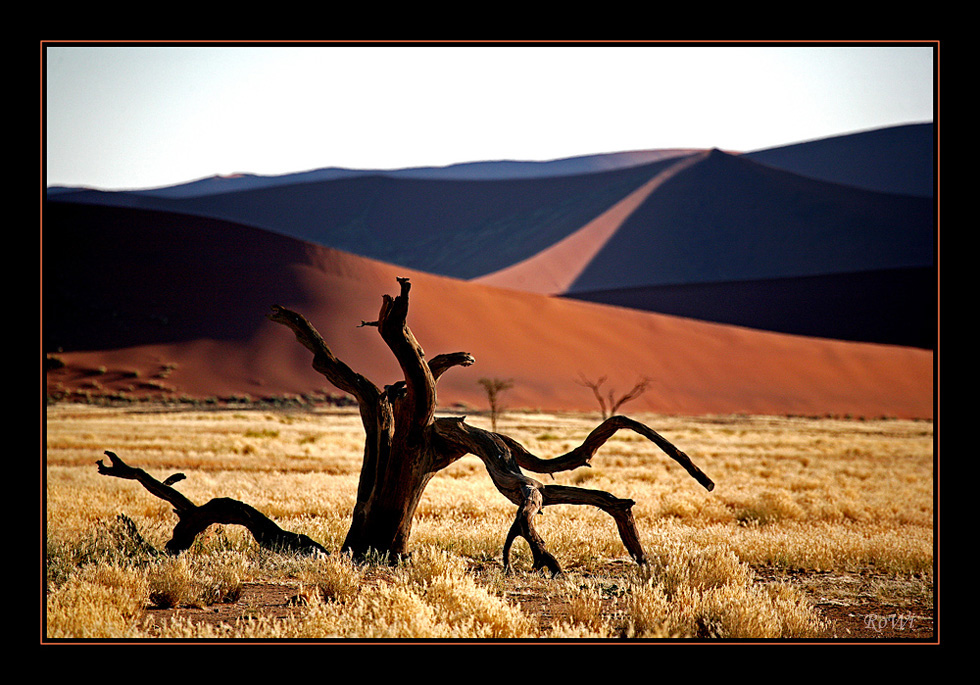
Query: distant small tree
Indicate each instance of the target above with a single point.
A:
(495, 387)
(610, 404)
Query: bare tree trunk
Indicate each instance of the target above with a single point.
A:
(398, 458)
(404, 446)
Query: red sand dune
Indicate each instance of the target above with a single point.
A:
(542, 343)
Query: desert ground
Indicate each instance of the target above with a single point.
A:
(819, 529)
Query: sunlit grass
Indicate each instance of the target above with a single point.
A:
(792, 493)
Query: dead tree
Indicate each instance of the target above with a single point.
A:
(494, 388)
(614, 402)
(193, 519)
(405, 445)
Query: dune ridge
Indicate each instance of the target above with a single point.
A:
(724, 241)
(555, 269)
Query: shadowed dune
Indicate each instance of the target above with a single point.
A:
(454, 228)
(129, 292)
(894, 305)
(721, 238)
(895, 159)
(815, 238)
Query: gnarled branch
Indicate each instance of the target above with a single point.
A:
(120, 469)
(582, 455)
(504, 457)
(324, 361)
(620, 509)
(441, 363)
(406, 445)
(507, 477)
(193, 519)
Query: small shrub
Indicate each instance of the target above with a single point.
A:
(687, 593)
(335, 578)
(495, 387)
(113, 542)
(767, 508)
(197, 582)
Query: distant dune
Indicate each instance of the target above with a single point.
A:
(447, 227)
(497, 170)
(830, 238)
(896, 159)
(129, 293)
(721, 238)
(556, 269)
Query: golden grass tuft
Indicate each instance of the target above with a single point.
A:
(98, 601)
(708, 593)
(196, 580)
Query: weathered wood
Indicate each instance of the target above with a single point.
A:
(377, 418)
(503, 458)
(193, 519)
(582, 455)
(120, 469)
(406, 445)
(523, 526)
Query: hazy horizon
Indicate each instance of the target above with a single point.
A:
(126, 117)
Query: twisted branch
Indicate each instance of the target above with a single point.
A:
(582, 455)
(193, 519)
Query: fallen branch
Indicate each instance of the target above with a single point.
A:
(193, 519)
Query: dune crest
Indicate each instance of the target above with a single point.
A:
(553, 270)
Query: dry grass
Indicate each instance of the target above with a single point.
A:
(792, 494)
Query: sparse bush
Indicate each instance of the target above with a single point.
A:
(262, 433)
(495, 387)
(711, 594)
(98, 602)
(584, 604)
(610, 403)
(166, 369)
(335, 579)
(116, 542)
(197, 581)
(768, 508)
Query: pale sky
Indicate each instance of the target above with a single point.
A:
(139, 117)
